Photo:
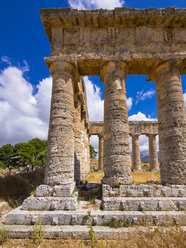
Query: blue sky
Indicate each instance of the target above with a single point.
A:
(25, 81)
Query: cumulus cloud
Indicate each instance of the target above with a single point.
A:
(184, 95)
(129, 103)
(22, 113)
(140, 117)
(95, 4)
(43, 98)
(94, 101)
(141, 95)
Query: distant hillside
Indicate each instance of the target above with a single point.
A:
(145, 156)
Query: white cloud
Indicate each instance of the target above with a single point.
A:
(184, 95)
(94, 102)
(95, 4)
(22, 113)
(129, 103)
(6, 59)
(140, 117)
(141, 95)
(43, 98)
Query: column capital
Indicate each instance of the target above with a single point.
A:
(112, 66)
(70, 67)
(159, 67)
(135, 135)
(101, 135)
(151, 135)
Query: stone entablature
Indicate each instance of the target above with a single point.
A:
(136, 36)
(135, 127)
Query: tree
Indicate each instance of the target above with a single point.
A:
(6, 152)
(93, 153)
(39, 145)
(2, 165)
(41, 158)
(23, 153)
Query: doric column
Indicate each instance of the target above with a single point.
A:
(77, 141)
(100, 161)
(88, 155)
(60, 151)
(136, 161)
(153, 155)
(171, 123)
(117, 166)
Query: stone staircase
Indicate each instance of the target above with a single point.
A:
(137, 207)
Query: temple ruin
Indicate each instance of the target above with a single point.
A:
(136, 128)
(112, 44)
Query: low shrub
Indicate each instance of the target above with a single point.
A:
(13, 185)
(114, 223)
(4, 235)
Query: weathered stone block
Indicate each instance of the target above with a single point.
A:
(50, 203)
(143, 203)
(144, 190)
(22, 217)
(44, 190)
(63, 190)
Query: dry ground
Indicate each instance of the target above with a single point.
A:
(137, 177)
(175, 238)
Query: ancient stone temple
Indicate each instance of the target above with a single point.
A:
(112, 44)
(136, 128)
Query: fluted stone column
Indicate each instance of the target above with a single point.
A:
(60, 152)
(100, 161)
(136, 161)
(88, 155)
(153, 155)
(117, 164)
(171, 124)
(77, 141)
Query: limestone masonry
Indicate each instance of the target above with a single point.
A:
(112, 44)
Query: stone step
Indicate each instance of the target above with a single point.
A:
(144, 190)
(80, 232)
(108, 203)
(144, 203)
(95, 217)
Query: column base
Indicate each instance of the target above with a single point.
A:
(115, 181)
(155, 169)
(59, 197)
(135, 170)
(50, 203)
(64, 190)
